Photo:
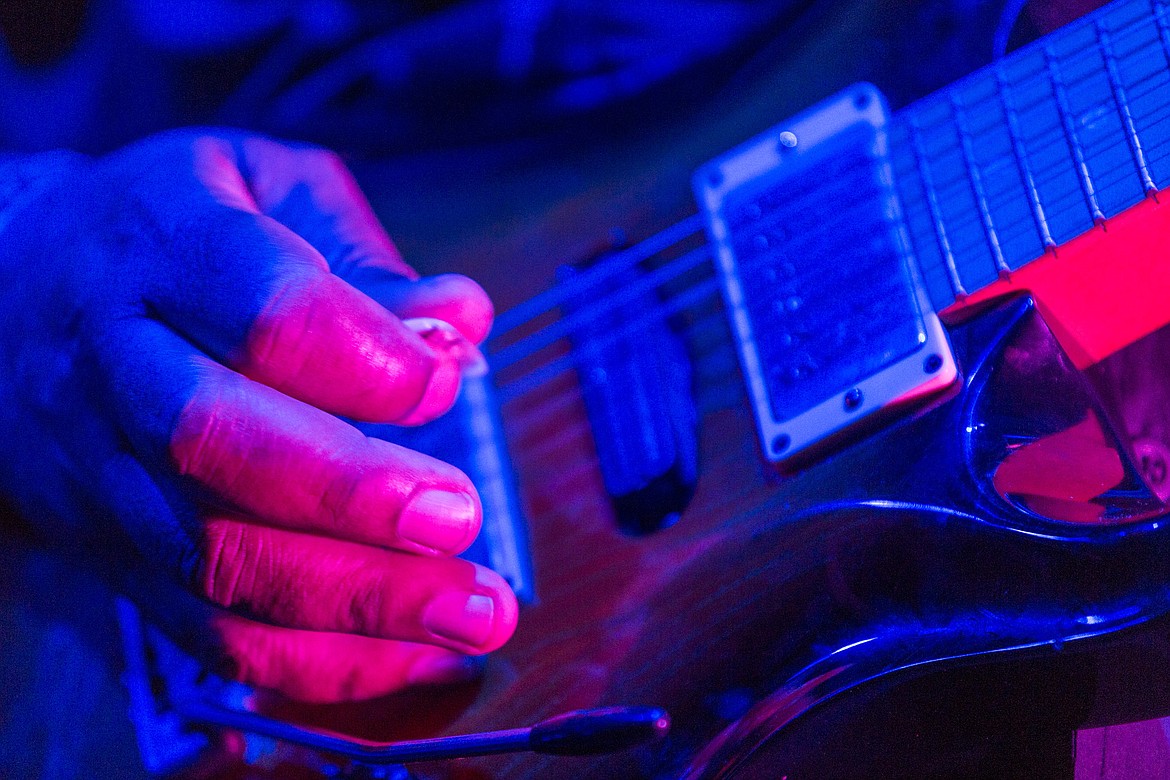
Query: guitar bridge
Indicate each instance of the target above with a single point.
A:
(831, 321)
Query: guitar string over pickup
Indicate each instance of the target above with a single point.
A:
(637, 393)
(831, 321)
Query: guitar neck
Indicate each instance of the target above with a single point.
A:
(1017, 161)
(1035, 173)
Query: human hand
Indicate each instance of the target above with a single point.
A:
(182, 322)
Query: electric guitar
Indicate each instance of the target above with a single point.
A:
(868, 451)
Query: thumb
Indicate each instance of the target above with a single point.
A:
(451, 298)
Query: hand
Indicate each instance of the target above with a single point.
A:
(183, 319)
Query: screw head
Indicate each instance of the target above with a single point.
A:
(781, 443)
(932, 363)
(1153, 459)
(788, 139)
(853, 399)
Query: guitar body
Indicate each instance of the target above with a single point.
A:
(843, 622)
(888, 609)
(881, 613)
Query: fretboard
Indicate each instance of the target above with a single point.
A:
(1036, 149)
(992, 171)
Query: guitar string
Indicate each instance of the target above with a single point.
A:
(577, 321)
(714, 596)
(675, 304)
(1009, 231)
(612, 265)
(628, 259)
(720, 388)
(706, 288)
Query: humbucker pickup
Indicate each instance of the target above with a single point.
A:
(831, 321)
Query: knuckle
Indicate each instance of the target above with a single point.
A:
(335, 498)
(328, 160)
(273, 337)
(256, 654)
(283, 341)
(245, 656)
(193, 433)
(199, 436)
(229, 563)
(366, 603)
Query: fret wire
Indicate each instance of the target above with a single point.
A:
(702, 290)
(976, 179)
(1021, 156)
(673, 305)
(940, 230)
(1118, 89)
(1070, 133)
(916, 134)
(693, 224)
(1010, 228)
(1159, 11)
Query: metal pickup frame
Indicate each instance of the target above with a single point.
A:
(830, 318)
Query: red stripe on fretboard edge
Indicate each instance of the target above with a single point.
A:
(1099, 292)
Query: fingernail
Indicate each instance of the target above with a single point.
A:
(440, 393)
(445, 668)
(464, 618)
(438, 519)
(444, 336)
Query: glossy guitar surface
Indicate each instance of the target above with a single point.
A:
(780, 594)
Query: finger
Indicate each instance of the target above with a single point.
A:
(278, 459)
(312, 192)
(313, 666)
(258, 298)
(321, 667)
(300, 468)
(306, 582)
(452, 298)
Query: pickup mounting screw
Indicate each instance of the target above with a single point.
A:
(788, 139)
(780, 443)
(853, 399)
(931, 364)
